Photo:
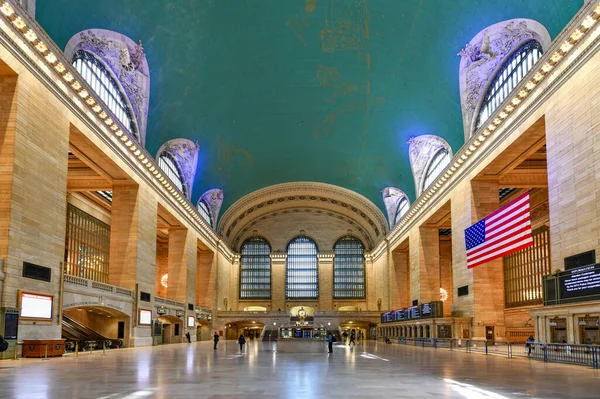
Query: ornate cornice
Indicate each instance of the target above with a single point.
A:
(303, 195)
(241, 234)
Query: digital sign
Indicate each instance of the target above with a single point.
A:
(423, 311)
(145, 317)
(580, 282)
(35, 306)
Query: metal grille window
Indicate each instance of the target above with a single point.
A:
(524, 269)
(302, 269)
(204, 212)
(401, 209)
(104, 85)
(255, 269)
(172, 171)
(349, 269)
(438, 163)
(87, 246)
(508, 77)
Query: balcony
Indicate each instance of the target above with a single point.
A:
(95, 287)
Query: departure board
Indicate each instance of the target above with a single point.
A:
(423, 311)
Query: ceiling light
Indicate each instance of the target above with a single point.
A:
(96, 108)
(51, 58)
(471, 148)
(108, 121)
(546, 67)
(68, 77)
(30, 35)
(103, 115)
(481, 137)
(19, 23)
(76, 85)
(128, 143)
(119, 132)
(7, 9)
(515, 101)
(530, 85)
(538, 76)
(556, 56)
(90, 101)
(576, 35)
(522, 93)
(114, 127)
(83, 93)
(566, 46)
(502, 115)
(587, 23)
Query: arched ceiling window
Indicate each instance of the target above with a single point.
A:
(508, 77)
(302, 269)
(438, 163)
(255, 269)
(97, 75)
(349, 269)
(169, 167)
(204, 212)
(401, 209)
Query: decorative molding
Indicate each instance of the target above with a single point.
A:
(213, 199)
(485, 54)
(127, 61)
(391, 198)
(185, 153)
(326, 256)
(278, 256)
(242, 234)
(303, 195)
(421, 151)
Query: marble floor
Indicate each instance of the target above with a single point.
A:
(367, 371)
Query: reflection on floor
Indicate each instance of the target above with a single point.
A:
(370, 370)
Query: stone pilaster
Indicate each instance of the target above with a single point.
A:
(429, 262)
(278, 260)
(177, 289)
(326, 280)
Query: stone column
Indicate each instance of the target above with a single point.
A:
(278, 260)
(400, 279)
(371, 284)
(235, 282)
(326, 280)
(429, 262)
(488, 278)
(177, 289)
(133, 248)
(205, 278)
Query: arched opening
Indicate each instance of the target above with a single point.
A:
(255, 269)
(438, 163)
(99, 77)
(205, 212)
(171, 169)
(95, 327)
(349, 269)
(302, 270)
(168, 330)
(250, 329)
(401, 209)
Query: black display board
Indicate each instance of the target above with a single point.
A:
(423, 311)
(580, 283)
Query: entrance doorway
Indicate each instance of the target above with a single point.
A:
(489, 333)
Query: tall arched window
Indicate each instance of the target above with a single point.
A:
(401, 209)
(204, 212)
(438, 163)
(255, 269)
(349, 268)
(96, 74)
(508, 77)
(169, 167)
(302, 269)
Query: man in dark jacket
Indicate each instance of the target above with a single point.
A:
(216, 339)
(330, 342)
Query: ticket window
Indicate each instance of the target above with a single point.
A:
(589, 333)
(444, 331)
(558, 331)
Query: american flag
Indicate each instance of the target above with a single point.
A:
(502, 232)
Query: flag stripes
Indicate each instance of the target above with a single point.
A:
(504, 231)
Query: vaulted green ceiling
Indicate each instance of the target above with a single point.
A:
(300, 90)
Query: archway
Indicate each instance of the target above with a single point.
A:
(251, 329)
(95, 325)
(171, 330)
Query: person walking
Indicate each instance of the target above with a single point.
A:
(330, 342)
(189, 337)
(241, 341)
(352, 338)
(529, 345)
(345, 337)
(216, 339)
(358, 336)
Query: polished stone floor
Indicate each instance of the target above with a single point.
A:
(367, 371)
